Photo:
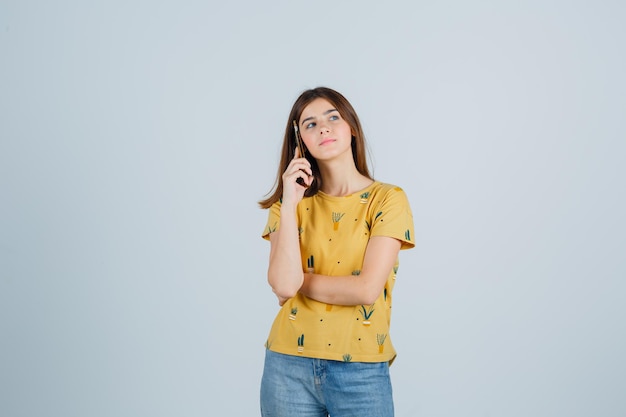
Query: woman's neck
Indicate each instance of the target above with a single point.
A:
(342, 179)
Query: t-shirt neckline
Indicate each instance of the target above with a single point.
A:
(356, 193)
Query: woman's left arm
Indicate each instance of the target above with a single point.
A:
(380, 257)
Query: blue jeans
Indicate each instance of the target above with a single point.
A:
(295, 386)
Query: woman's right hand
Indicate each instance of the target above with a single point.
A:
(299, 167)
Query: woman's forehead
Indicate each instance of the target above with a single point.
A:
(317, 106)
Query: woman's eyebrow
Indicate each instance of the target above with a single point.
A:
(313, 117)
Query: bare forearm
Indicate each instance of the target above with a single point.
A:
(380, 256)
(340, 290)
(285, 268)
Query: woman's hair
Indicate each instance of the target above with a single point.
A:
(359, 151)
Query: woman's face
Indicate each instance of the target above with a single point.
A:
(325, 133)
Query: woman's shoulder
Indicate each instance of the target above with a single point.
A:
(387, 193)
(385, 187)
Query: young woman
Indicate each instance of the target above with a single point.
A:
(335, 234)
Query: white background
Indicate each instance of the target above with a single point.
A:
(137, 136)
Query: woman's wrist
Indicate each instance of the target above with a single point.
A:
(288, 209)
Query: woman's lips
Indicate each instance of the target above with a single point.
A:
(326, 141)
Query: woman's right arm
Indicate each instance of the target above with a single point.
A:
(284, 273)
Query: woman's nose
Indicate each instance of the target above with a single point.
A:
(324, 129)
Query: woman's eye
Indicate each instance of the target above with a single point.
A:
(310, 125)
(334, 117)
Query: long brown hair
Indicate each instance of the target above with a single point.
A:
(359, 148)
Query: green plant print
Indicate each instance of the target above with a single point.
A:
(380, 339)
(407, 235)
(347, 357)
(310, 264)
(385, 294)
(395, 271)
(294, 311)
(301, 343)
(364, 197)
(356, 272)
(336, 218)
(378, 215)
(366, 313)
(271, 229)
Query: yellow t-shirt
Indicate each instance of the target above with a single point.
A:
(334, 232)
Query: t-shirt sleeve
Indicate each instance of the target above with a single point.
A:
(273, 220)
(393, 218)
